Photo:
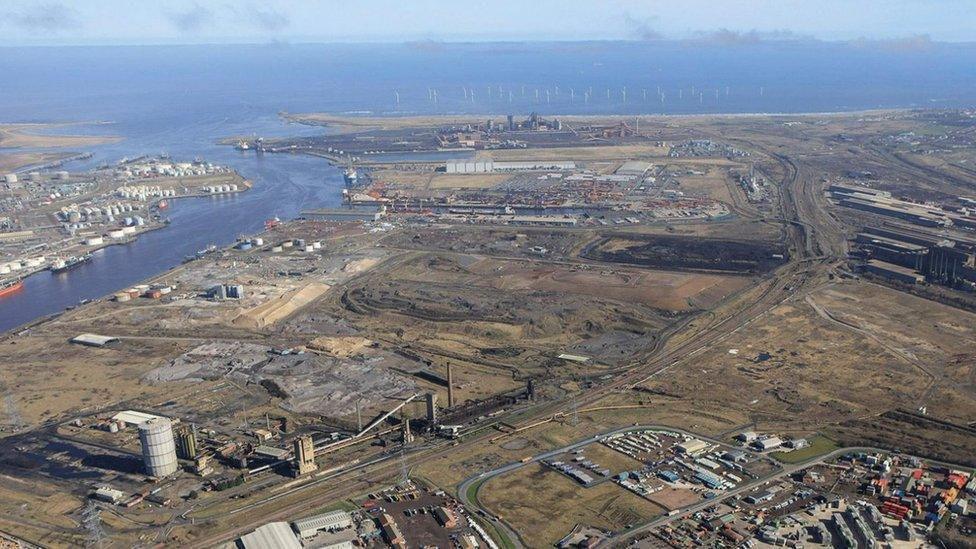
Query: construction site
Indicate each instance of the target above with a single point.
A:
(574, 318)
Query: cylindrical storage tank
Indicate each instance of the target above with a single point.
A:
(158, 447)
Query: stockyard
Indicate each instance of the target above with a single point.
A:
(527, 339)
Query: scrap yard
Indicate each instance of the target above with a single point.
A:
(515, 331)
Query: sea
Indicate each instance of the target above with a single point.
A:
(181, 100)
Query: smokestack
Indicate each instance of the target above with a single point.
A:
(432, 409)
(405, 432)
(450, 385)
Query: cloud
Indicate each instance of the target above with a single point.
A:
(641, 28)
(191, 20)
(268, 19)
(51, 17)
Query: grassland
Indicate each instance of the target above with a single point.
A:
(819, 445)
(544, 505)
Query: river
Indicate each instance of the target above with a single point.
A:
(284, 185)
(181, 99)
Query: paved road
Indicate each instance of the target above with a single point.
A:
(510, 532)
(625, 536)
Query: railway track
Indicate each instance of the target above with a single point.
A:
(812, 235)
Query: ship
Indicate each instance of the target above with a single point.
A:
(200, 253)
(10, 286)
(272, 223)
(163, 205)
(351, 177)
(64, 265)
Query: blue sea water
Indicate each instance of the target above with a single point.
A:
(181, 99)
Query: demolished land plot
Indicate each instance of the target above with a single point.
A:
(476, 306)
(307, 383)
(280, 307)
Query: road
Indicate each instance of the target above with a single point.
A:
(817, 243)
(622, 537)
(465, 486)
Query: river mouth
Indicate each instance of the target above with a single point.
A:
(284, 185)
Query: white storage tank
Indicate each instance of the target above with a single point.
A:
(158, 447)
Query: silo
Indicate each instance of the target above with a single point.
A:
(158, 447)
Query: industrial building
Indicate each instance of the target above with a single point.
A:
(108, 495)
(304, 455)
(767, 443)
(134, 417)
(894, 251)
(392, 532)
(93, 340)
(186, 441)
(274, 535)
(634, 168)
(158, 447)
(691, 446)
(329, 522)
(342, 214)
(490, 166)
(432, 409)
(894, 272)
(747, 436)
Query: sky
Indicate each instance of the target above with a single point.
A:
(110, 22)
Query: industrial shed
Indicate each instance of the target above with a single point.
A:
(334, 520)
(93, 340)
(274, 535)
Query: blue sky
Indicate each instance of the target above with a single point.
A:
(27, 22)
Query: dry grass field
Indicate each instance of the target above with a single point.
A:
(544, 505)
